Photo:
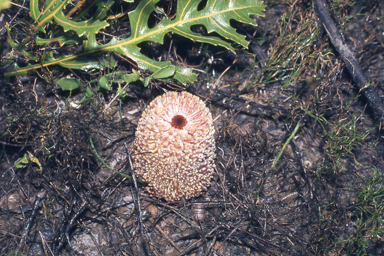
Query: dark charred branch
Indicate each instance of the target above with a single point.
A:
(360, 79)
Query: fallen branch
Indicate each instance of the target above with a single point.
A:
(361, 81)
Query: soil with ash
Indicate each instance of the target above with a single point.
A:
(65, 201)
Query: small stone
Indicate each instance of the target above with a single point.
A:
(12, 202)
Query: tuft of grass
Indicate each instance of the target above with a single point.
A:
(343, 136)
(294, 52)
(369, 212)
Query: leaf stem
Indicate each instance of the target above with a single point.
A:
(277, 159)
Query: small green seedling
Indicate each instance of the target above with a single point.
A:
(87, 96)
(68, 84)
(24, 160)
(165, 72)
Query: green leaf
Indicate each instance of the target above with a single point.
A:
(68, 84)
(102, 8)
(215, 17)
(105, 81)
(33, 159)
(15, 45)
(64, 39)
(133, 77)
(165, 72)
(87, 96)
(88, 92)
(146, 81)
(122, 93)
(67, 61)
(53, 10)
(84, 63)
(22, 161)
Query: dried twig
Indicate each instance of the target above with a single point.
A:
(168, 239)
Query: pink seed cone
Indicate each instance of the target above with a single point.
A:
(174, 146)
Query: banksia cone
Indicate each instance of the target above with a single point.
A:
(174, 146)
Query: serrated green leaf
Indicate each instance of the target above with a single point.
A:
(68, 84)
(52, 7)
(53, 10)
(67, 61)
(101, 11)
(14, 69)
(15, 45)
(62, 40)
(80, 27)
(215, 16)
(85, 63)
